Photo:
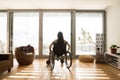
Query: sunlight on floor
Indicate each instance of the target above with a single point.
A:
(23, 77)
(90, 74)
(59, 74)
(27, 73)
(42, 72)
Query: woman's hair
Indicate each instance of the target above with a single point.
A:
(60, 37)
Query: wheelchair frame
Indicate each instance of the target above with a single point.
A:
(67, 58)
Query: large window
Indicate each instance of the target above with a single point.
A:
(87, 26)
(26, 30)
(53, 22)
(39, 29)
(3, 32)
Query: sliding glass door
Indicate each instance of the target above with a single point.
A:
(88, 24)
(39, 29)
(26, 29)
(3, 32)
(53, 22)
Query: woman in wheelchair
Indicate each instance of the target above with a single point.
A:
(58, 47)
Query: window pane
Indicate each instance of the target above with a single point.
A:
(3, 32)
(25, 30)
(52, 24)
(87, 26)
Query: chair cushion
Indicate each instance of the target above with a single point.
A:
(86, 58)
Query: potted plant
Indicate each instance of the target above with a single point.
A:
(113, 48)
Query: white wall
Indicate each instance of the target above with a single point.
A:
(54, 4)
(113, 25)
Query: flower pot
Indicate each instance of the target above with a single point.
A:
(113, 51)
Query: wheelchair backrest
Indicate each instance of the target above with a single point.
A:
(59, 49)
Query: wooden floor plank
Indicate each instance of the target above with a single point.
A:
(79, 71)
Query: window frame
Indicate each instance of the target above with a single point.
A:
(103, 25)
(41, 11)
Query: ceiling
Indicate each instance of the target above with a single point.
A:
(55, 4)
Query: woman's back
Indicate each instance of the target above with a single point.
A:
(59, 48)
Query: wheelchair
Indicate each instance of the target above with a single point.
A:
(66, 57)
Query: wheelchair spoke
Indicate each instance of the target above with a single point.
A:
(68, 59)
(52, 61)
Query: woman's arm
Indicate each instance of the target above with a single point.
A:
(51, 45)
(68, 46)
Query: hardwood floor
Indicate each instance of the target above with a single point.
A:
(79, 71)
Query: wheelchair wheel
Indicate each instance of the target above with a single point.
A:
(68, 59)
(52, 61)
